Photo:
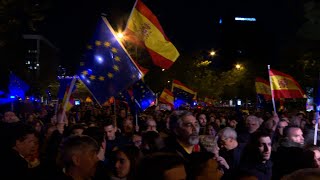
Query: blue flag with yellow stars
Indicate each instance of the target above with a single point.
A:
(108, 68)
(17, 87)
(143, 95)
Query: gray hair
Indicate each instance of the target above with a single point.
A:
(227, 132)
(254, 118)
(176, 118)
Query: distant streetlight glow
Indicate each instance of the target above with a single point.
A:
(163, 69)
(238, 66)
(168, 81)
(212, 53)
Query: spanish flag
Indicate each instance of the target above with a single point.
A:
(180, 85)
(284, 86)
(144, 28)
(167, 97)
(263, 88)
(70, 103)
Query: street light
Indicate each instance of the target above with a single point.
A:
(238, 66)
(163, 69)
(212, 53)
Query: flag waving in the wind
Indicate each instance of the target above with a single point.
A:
(284, 86)
(144, 28)
(178, 86)
(108, 68)
(17, 87)
(167, 97)
(263, 88)
(143, 95)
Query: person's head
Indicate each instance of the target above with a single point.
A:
(128, 126)
(151, 125)
(137, 140)
(210, 129)
(10, 117)
(185, 126)
(79, 156)
(252, 123)
(316, 151)
(37, 125)
(125, 159)
(227, 138)
(151, 141)
(294, 134)
(49, 129)
(202, 119)
(232, 122)
(110, 130)
(77, 129)
(281, 125)
(260, 145)
(123, 113)
(161, 166)
(23, 139)
(301, 115)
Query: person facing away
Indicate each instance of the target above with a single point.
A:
(78, 157)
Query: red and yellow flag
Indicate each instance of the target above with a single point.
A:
(144, 28)
(167, 97)
(70, 103)
(284, 85)
(180, 85)
(263, 88)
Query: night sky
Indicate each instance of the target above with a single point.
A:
(190, 25)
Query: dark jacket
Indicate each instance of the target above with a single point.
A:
(288, 158)
(263, 171)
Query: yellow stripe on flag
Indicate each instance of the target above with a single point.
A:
(152, 36)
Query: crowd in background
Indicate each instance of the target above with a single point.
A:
(91, 142)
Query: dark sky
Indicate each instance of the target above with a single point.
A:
(190, 25)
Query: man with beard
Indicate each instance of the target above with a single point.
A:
(185, 135)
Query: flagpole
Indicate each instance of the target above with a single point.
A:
(272, 95)
(315, 139)
(90, 92)
(68, 97)
(131, 12)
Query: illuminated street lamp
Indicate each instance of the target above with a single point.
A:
(238, 66)
(212, 53)
(163, 69)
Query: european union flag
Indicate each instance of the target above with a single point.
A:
(108, 68)
(183, 95)
(143, 95)
(17, 87)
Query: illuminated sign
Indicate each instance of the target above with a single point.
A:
(244, 19)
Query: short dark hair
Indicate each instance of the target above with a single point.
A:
(74, 144)
(108, 122)
(287, 129)
(255, 138)
(19, 131)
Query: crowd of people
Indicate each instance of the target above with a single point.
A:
(210, 143)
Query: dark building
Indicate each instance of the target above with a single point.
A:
(41, 60)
